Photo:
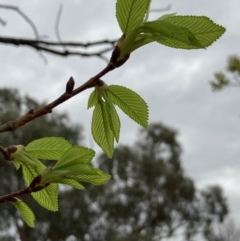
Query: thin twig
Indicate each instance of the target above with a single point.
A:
(31, 115)
(24, 16)
(46, 46)
(59, 13)
(10, 197)
(3, 22)
(25, 41)
(38, 44)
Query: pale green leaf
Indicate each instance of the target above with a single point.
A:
(204, 30)
(93, 99)
(47, 197)
(114, 121)
(86, 173)
(138, 42)
(166, 16)
(76, 154)
(130, 13)
(163, 31)
(101, 130)
(50, 148)
(71, 173)
(24, 158)
(73, 183)
(26, 213)
(130, 103)
(17, 164)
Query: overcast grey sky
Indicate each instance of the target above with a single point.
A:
(173, 82)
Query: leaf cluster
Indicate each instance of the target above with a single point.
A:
(105, 120)
(73, 166)
(184, 32)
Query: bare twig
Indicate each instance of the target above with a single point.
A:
(24, 41)
(33, 187)
(39, 45)
(57, 25)
(31, 115)
(46, 46)
(11, 197)
(3, 22)
(24, 16)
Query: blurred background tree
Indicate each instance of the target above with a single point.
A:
(231, 77)
(225, 231)
(148, 198)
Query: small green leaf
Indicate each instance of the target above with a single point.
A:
(17, 164)
(26, 213)
(130, 103)
(23, 158)
(101, 130)
(203, 31)
(50, 148)
(86, 173)
(114, 121)
(73, 183)
(32, 167)
(93, 99)
(72, 167)
(77, 154)
(130, 13)
(203, 28)
(47, 197)
(72, 172)
(138, 42)
(163, 31)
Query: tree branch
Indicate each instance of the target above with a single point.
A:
(31, 115)
(46, 46)
(24, 16)
(33, 187)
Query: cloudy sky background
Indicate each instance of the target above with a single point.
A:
(174, 83)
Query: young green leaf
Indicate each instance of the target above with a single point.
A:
(50, 148)
(26, 213)
(47, 197)
(93, 99)
(72, 172)
(163, 31)
(114, 121)
(85, 173)
(138, 42)
(203, 28)
(77, 154)
(130, 103)
(101, 130)
(73, 183)
(130, 13)
(23, 158)
(185, 32)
